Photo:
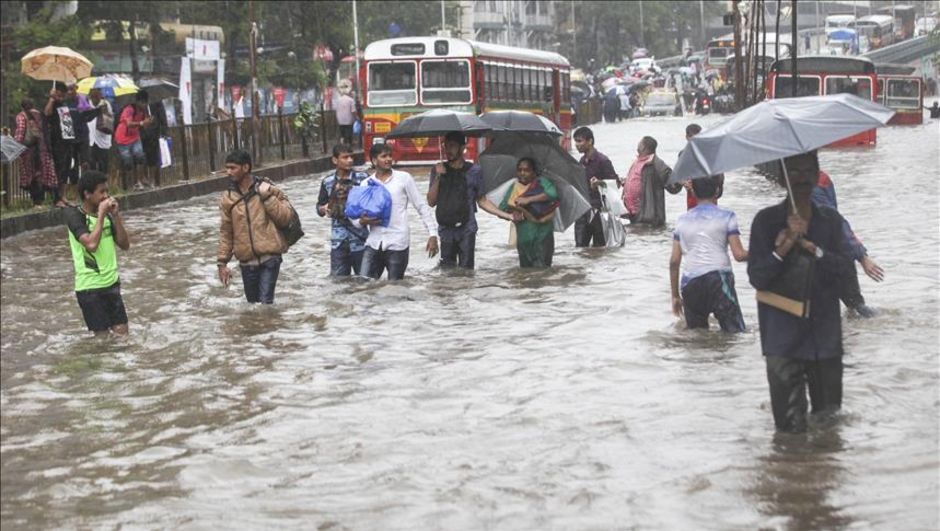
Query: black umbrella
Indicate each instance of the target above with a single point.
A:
(520, 122)
(159, 89)
(439, 122)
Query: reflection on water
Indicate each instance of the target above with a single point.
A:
(563, 398)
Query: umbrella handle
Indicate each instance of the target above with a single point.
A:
(786, 180)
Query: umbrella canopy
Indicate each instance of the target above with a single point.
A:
(499, 161)
(617, 90)
(10, 149)
(775, 129)
(638, 85)
(520, 122)
(55, 63)
(439, 122)
(159, 89)
(110, 85)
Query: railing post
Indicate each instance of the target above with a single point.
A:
(211, 148)
(235, 138)
(280, 132)
(323, 127)
(7, 189)
(185, 146)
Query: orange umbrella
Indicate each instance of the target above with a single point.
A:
(55, 63)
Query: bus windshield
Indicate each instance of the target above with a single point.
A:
(858, 86)
(392, 84)
(806, 86)
(445, 81)
(903, 94)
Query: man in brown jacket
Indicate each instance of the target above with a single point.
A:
(252, 212)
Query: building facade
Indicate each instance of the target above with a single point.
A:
(522, 23)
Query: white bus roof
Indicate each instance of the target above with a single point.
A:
(840, 18)
(461, 48)
(877, 19)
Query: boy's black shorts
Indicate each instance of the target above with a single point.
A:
(102, 308)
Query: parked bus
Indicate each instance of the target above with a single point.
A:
(409, 75)
(819, 75)
(720, 51)
(903, 20)
(901, 92)
(878, 29)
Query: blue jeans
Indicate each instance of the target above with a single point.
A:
(260, 280)
(131, 154)
(457, 247)
(375, 262)
(343, 260)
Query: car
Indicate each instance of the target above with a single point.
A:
(644, 64)
(662, 103)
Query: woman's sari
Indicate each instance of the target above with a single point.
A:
(535, 240)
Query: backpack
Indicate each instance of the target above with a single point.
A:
(453, 207)
(292, 232)
(33, 131)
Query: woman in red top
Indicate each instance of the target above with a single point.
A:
(127, 139)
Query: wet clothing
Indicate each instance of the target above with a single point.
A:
(850, 292)
(588, 228)
(397, 235)
(934, 111)
(125, 133)
(260, 280)
(97, 283)
(458, 244)
(789, 380)
(150, 135)
(37, 168)
(691, 201)
(535, 242)
(712, 293)
(652, 210)
(378, 261)
(346, 240)
(68, 135)
(782, 334)
(250, 222)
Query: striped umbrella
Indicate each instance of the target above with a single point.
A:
(110, 85)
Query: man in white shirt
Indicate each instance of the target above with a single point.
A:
(346, 117)
(99, 132)
(387, 247)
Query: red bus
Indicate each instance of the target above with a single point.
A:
(901, 92)
(410, 75)
(819, 75)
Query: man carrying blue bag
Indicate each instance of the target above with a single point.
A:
(389, 235)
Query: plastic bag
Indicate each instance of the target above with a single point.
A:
(372, 200)
(166, 151)
(357, 128)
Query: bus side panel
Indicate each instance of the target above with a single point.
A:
(907, 117)
(865, 138)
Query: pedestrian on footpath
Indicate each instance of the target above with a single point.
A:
(99, 132)
(588, 229)
(702, 237)
(150, 136)
(253, 211)
(456, 190)
(387, 247)
(347, 242)
(801, 352)
(37, 168)
(127, 137)
(346, 116)
(95, 227)
(68, 133)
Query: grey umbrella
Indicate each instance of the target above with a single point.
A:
(520, 122)
(439, 122)
(10, 148)
(499, 161)
(775, 129)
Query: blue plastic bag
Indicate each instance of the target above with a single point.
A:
(357, 128)
(372, 200)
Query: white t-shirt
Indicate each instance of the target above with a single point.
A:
(96, 137)
(397, 236)
(703, 234)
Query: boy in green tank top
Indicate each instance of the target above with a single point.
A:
(95, 227)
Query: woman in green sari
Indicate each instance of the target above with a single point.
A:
(532, 201)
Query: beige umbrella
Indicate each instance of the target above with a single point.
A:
(55, 63)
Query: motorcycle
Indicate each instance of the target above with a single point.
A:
(703, 104)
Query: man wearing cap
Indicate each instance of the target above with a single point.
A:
(456, 189)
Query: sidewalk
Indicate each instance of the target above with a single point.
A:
(17, 224)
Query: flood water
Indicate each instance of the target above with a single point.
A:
(561, 399)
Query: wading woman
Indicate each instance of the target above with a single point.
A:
(532, 201)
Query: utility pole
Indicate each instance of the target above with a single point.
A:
(574, 33)
(738, 64)
(255, 111)
(794, 77)
(642, 27)
(443, 19)
(356, 48)
(817, 21)
(701, 14)
(777, 34)
(135, 67)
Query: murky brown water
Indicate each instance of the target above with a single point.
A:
(563, 399)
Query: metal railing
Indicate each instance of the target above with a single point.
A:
(199, 150)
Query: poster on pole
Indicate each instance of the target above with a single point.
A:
(186, 91)
(202, 50)
(220, 85)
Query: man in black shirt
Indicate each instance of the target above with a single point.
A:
(801, 352)
(68, 134)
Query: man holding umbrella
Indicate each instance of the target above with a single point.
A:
(456, 189)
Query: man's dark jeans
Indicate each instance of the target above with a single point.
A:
(587, 229)
(260, 280)
(343, 261)
(375, 262)
(458, 247)
(789, 380)
(99, 159)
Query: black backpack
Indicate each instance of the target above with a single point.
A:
(453, 206)
(292, 232)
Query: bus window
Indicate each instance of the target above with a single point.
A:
(392, 84)
(520, 83)
(881, 91)
(489, 76)
(903, 94)
(538, 84)
(566, 89)
(857, 86)
(530, 84)
(547, 82)
(445, 81)
(806, 86)
(502, 86)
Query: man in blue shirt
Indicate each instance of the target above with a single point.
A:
(347, 241)
(456, 189)
(702, 236)
(801, 352)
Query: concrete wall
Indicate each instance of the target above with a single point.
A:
(50, 218)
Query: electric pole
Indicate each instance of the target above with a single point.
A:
(738, 63)
(255, 111)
